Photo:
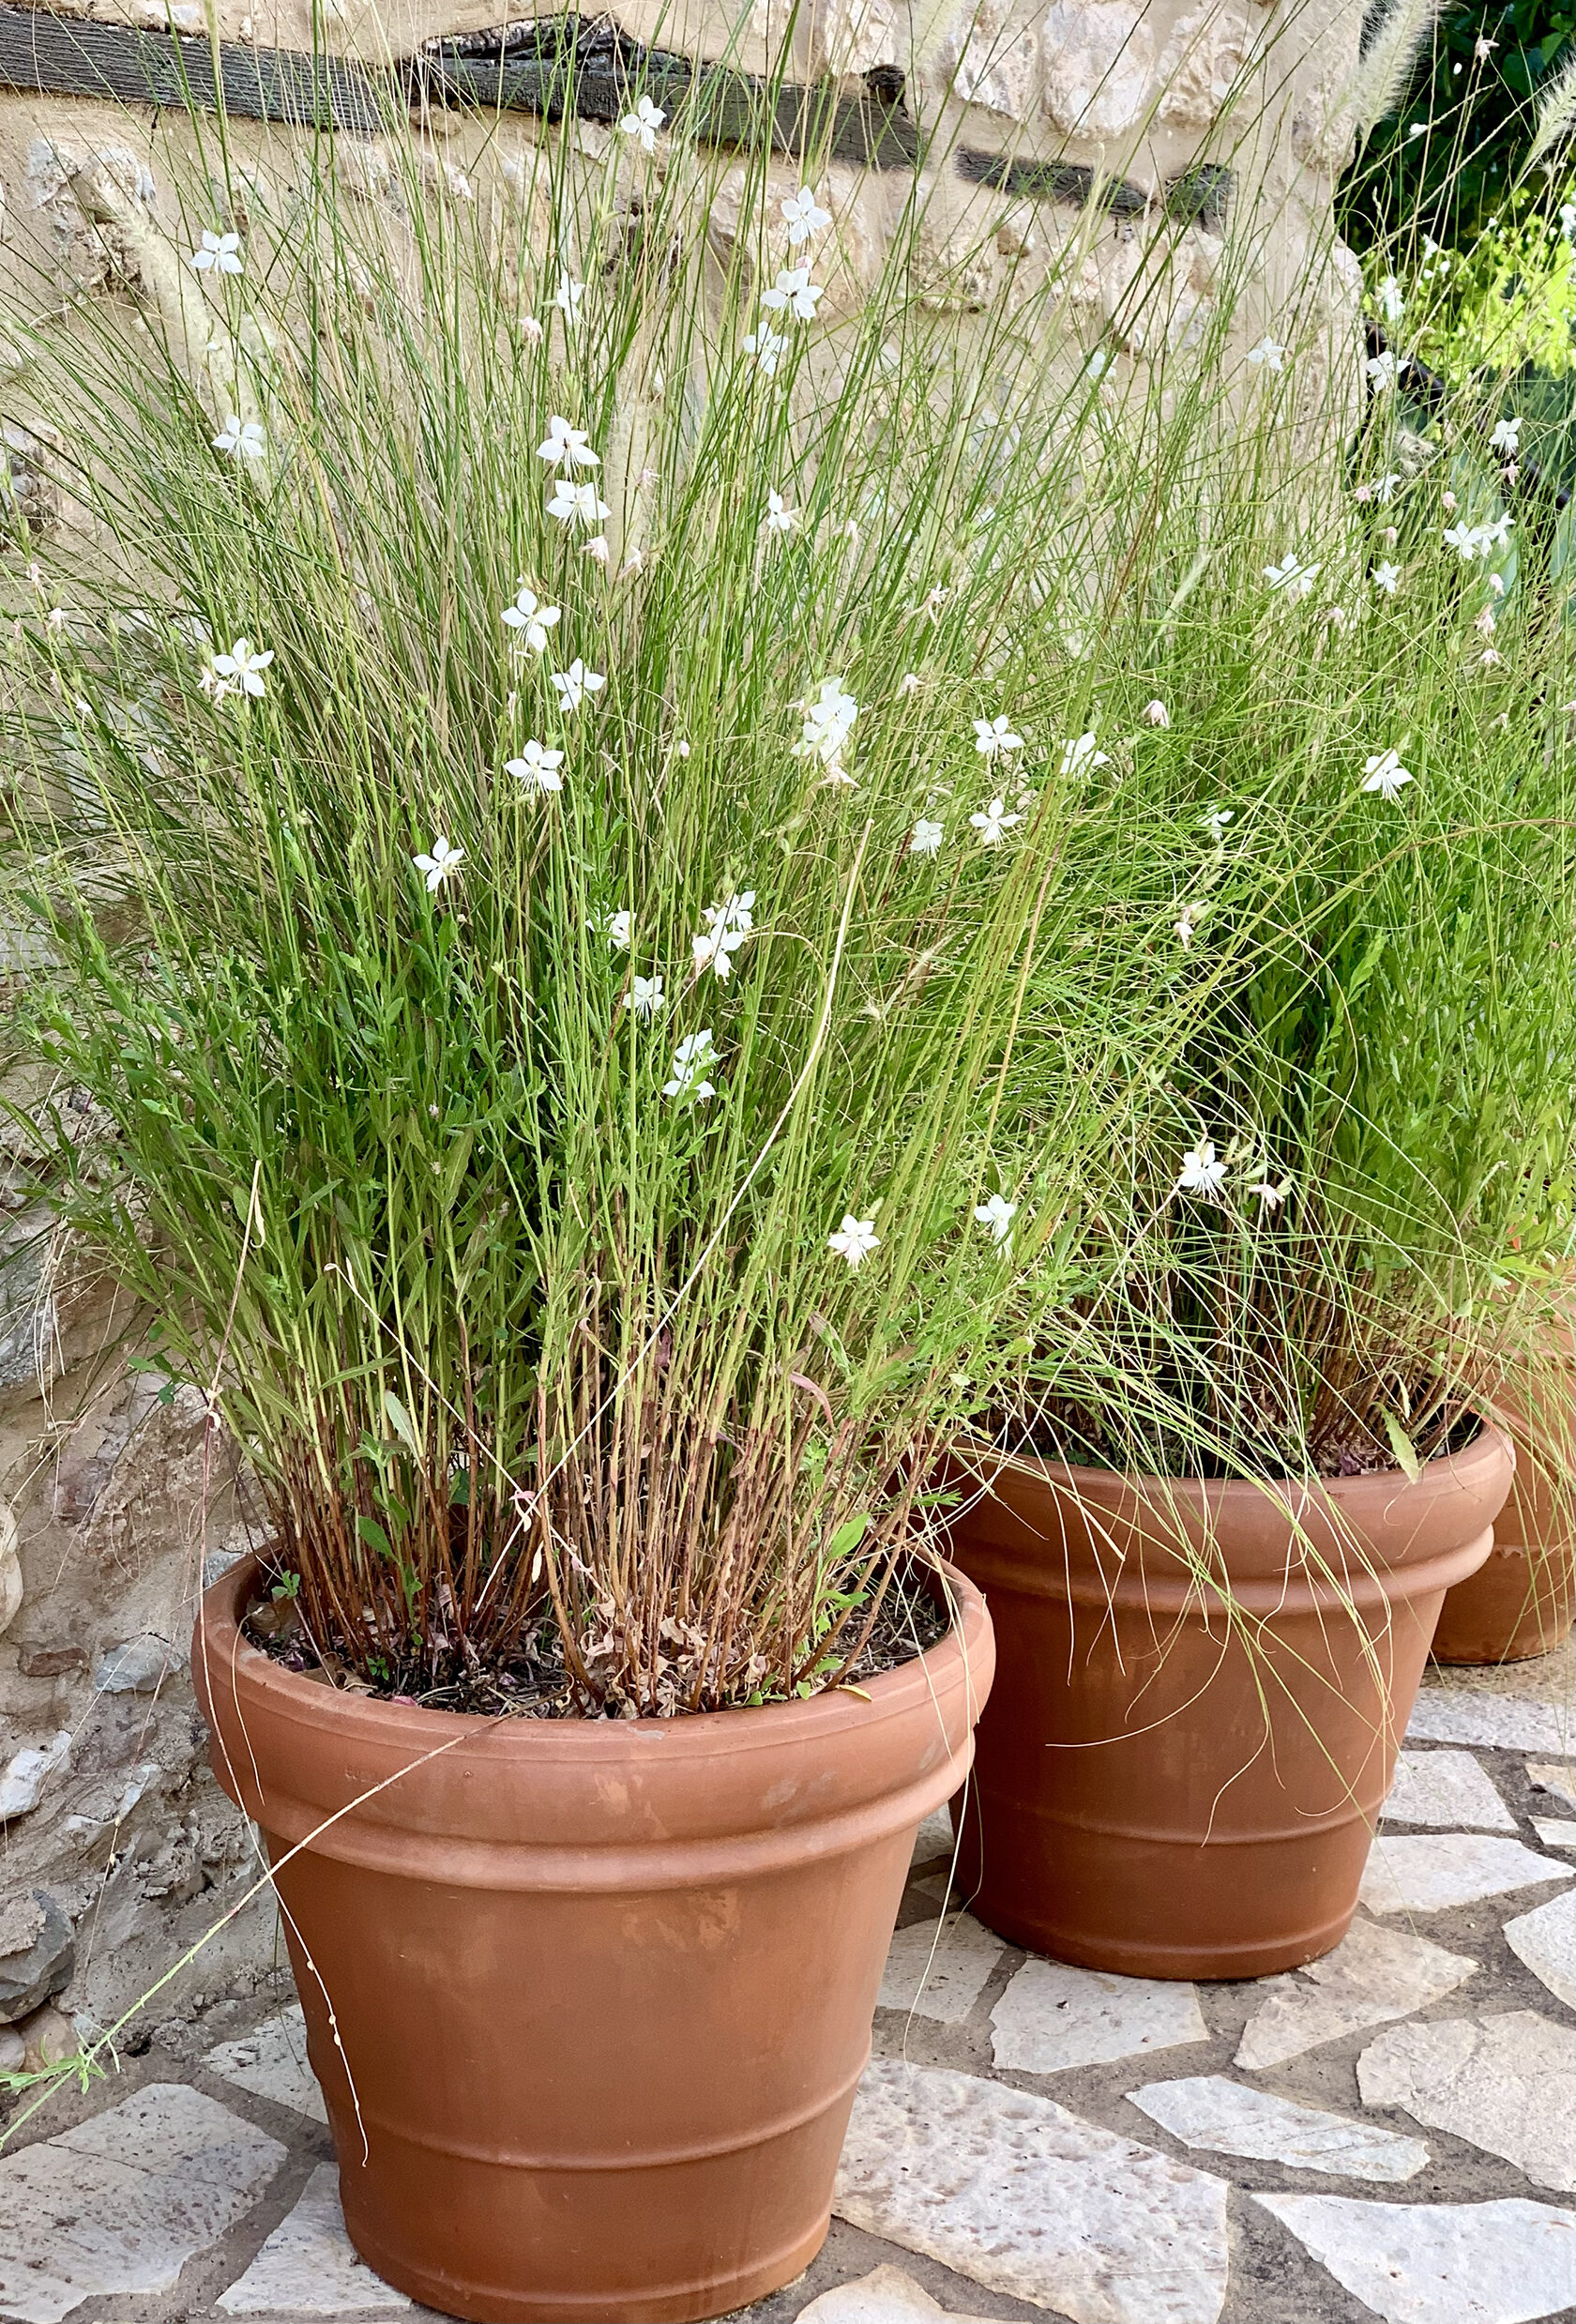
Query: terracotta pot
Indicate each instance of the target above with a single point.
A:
(1520, 1600)
(588, 1999)
(1159, 1791)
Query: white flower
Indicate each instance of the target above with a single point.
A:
(241, 669)
(1382, 488)
(1386, 577)
(997, 1214)
(1385, 774)
(1271, 1197)
(536, 770)
(596, 548)
(1201, 1174)
(645, 997)
(243, 439)
(1270, 352)
(1157, 714)
(1463, 538)
(576, 503)
(793, 293)
(573, 684)
(727, 924)
(909, 682)
(926, 839)
(531, 329)
(992, 823)
(1293, 578)
(856, 1238)
(1186, 924)
(1505, 439)
(693, 1059)
(682, 747)
(441, 864)
(532, 619)
(1391, 301)
(1568, 220)
(778, 518)
(1483, 48)
(567, 297)
(1381, 369)
(734, 912)
(1215, 823)
(767, 348)
(1082, 754)
(803, 216)
(567, 447)
(828, 722)
(220, 253)
(1495, 534)
(619, 930)
(993, 736)
(644, 123)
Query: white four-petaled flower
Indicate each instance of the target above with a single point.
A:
(440, 865)
(532, 619)
(576, 503)
(1382, 369)
(643, 124)
(1386, 577)
(1270, 1195)
(1202, 1172)
(993, 736)
(243, 439)
(1082, 754)
(1270, 354)
(1385, 774)
(727, 924)
(993, 822)
(1391, 301)
(855, 1240)
(573, 684)
(692, 1061)
(926, 839)
(828, 722)
(1216, 821)
(1293, 578)
(645, 997)
(567, 297)
(218, 254)
(567, 447)
(240, 670)
(1507, 438)
(793, 293)
(778, 518)
(997, 1213)
(619, 930)
(803, 216)
(766, 348)
(536, 770)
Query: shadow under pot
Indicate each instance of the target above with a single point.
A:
(601, 1991)
(1199, 1692)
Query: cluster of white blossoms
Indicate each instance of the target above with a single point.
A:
(727, 926)
(793, 297)
(856, 1238)
(1204, 1174)
(1471, 541)
(828, 720)
(573, 499)
(239, 673)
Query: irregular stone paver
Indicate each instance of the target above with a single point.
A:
(123, 2201)
(1211, 2110)
(1014, 2191)
(1440, 2263)
(1431, 1874)
(1508, 2085)
(886, 2296)
(1560, 1781)
(933, 1837)
(939, 1968)
(308, 2264)
(1553, 1835)
(1546, 1941)
(1493, 1722)
(1446, 1787)
(272, 2063)
(1053, 2016)
(1374, 1974)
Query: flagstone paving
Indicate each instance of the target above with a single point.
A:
(1388, 2132)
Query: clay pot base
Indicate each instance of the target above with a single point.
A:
(1517, 1604)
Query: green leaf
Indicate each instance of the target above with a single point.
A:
(852, 1532)
(400, 1420)
(375, 1536)
(1403, 1448)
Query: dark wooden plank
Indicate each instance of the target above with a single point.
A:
(59, 56)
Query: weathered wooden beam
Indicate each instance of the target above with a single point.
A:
(62, 57)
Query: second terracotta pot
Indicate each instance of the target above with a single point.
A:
(1523, 1597)
(1199, 1696)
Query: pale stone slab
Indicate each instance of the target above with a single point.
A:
(1432, 1873)
(1212, 2111)
(1446, 1787)
(1552, 1835)
(932, 1838)
(1508, 2085)
(1440, 2263)
(939, 1968)
(1492, 1721)
(272, 2063)
(307, 2266)
(1022, 2197)
(886, 2296)
(1053, 2016)
(123, 2201)
(1372, 1975)
(1546, 1941)
(1560, 1781)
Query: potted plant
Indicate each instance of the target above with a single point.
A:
(535, 968)
(1216, 1535)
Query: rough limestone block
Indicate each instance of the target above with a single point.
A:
(1496, 2084)
(939, 1968)
(37, 1953)
(1546, 1941)
(272, 2063)
(1449, 1789)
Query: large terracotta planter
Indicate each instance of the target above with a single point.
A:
(1523, 1597)
(589, 2000)
(1168, 1785)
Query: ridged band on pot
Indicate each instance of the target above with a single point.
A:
(1522, 1600)
(601, 1990)
(1201, 1689)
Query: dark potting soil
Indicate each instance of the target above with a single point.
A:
(1354, 1451)
(536, 1684)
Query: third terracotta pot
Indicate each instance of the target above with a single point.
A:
(1200, 1691)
